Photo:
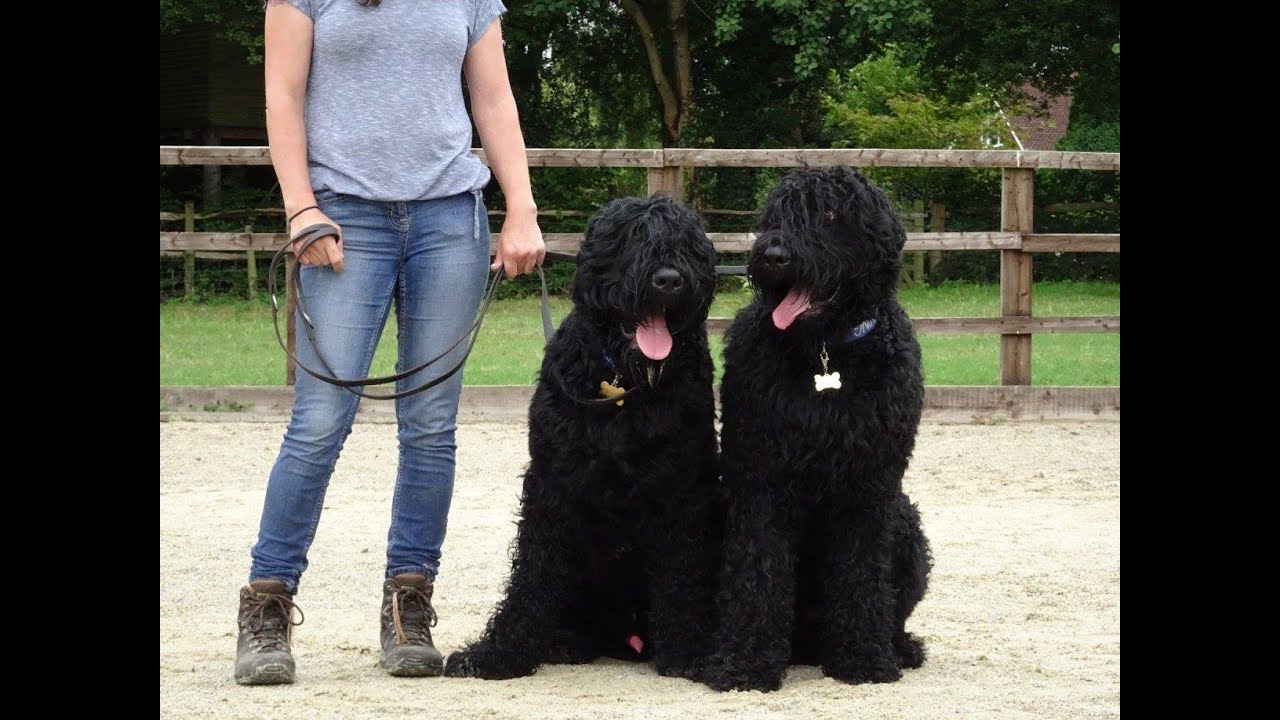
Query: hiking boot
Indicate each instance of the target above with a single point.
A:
(266, 624)
(407, 619)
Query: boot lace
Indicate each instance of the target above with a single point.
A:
(412, 615)
(269, 618)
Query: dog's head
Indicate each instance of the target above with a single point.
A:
(646, 271)
(828, 250)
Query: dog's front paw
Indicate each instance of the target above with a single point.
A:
(719, 675)
(869, 670)
(487, 665)
(909, 650)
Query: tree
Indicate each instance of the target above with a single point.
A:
(673, 74)
(676, 48)
(888, 102)
(884, 102)
(685, 47)
(1062, 47)
(239, 21)
(825, 33)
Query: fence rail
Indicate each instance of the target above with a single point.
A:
(568, 243)
(684, 157)
(942, 403)
(1016, 240)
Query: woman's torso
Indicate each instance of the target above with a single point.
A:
(385, 115)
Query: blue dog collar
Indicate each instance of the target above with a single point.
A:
(862, 330)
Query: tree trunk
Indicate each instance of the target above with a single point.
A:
(676, 95)
(684, 67)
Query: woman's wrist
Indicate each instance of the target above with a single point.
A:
(524, 209)
(293, 204)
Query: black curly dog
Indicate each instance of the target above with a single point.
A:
(824, 555)
(616, 550)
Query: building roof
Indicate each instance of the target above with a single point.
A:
(1044, 121)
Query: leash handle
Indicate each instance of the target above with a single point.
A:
(309, 235)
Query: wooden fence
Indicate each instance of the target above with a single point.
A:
(1016, 239)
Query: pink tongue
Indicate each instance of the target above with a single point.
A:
(796, 302)
(653, 338)
(636, 643)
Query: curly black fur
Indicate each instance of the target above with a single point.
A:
(824, 555)
(619, 527)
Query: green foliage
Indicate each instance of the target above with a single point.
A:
(1101, 136)
(761, 76)
(575, 69)
(1060, 46)
(888, 101)
(1101, 189)
(820, 33)
(885, 102)
(239, 21)
(767, 74)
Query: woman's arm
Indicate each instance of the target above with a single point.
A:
(287, 55)
(520, 247)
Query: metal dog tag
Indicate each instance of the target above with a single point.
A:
(827, 380)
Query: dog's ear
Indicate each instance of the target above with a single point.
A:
(870, 210)
(868, 202)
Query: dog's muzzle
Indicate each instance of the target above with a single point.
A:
(772, 265)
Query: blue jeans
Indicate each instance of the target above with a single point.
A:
(432, 258)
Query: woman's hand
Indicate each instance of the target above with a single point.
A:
(520, 246)
(327, 250)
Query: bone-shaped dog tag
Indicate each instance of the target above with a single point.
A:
(609, 390)
(827, 380)
(830, 381)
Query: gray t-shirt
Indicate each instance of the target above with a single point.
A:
(385, 116)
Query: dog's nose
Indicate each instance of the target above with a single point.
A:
(668, 281)
(777, 257)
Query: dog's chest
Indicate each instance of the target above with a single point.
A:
(832, 421)
(625, 437)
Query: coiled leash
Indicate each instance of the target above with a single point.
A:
(310, 235)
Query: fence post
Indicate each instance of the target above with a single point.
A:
(937, 223)
(917, 258)
(189, 256)
(912, 218)
(1017, 206)
(251, 268)
(669, 180)
(673, 180)
(655, 180)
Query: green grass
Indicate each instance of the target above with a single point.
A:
(231, 342)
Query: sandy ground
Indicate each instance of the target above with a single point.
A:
(1022, 618)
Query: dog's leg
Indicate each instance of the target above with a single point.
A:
(593, 625)
(571, 646)
(681, 565)
(912, 562)
(519, 632)
(756, 600)
(859, 600)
